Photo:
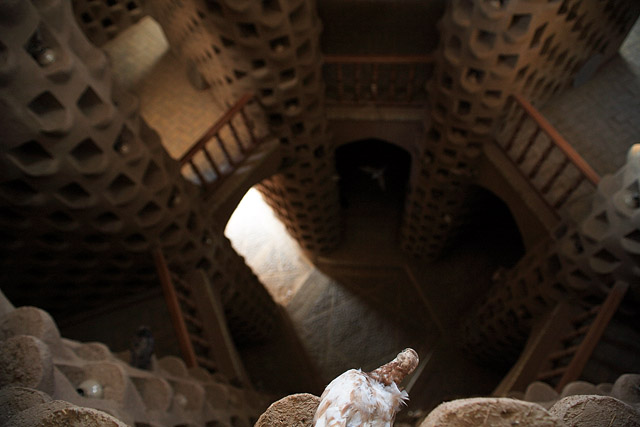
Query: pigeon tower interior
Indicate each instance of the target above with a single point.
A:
(282, 190)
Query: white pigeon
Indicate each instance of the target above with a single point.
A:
(368, 399)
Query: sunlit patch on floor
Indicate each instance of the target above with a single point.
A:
(272, 254)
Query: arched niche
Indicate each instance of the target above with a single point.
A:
(373, 177)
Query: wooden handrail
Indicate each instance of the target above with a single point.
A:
(558, 140)
(378, 59)
(596, 329)
(175, 312)
(380, 80)
(215, 128)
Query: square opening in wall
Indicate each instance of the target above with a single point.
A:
(475, 76)
(47, 107)
(297, 16)
(546, 45)
(214, 7)
(507, 61)
(521, 73)
(537, 35)
(226, 42)
(42, 46)
(106, 22)
(464, 108)
(280, 44)
(485, 39)
(91, 105)
(493, 94)
(519, 25)
(275, 120)
(297, 128)
(287, 75)
(291, 104)
(271, 6)
(248, 30)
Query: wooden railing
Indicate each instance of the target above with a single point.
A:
(568, 362)
(223, 147)
(543, 156)
(377, 80)
(562, 343)
(199, 323)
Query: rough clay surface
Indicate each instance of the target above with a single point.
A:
(14, 400)
(541, 393)
(578, 388)
(627, 389)
(588, 411)
(60, 413)
(29, 321)
(294, 410)
(26, 361)
(490, 412)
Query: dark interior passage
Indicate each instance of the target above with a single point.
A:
(372, 170)
(490, 227)
(373, 179)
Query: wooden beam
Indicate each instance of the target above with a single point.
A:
(215, 331)
(559, 140)
(175, 312)
(592, 338)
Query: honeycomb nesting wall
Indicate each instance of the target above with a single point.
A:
(87, 188)
(271, 48)
(582, 259)
(39, 366)
(185, 26)
(489, 50)
(102, 20)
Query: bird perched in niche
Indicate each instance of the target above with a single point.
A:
(369, 399)
(142, 347)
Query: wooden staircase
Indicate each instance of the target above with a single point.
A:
(199, 323)
(562, 343)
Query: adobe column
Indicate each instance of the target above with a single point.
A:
(185, 25)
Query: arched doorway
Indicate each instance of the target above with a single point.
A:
(373, 179)
(490, 227)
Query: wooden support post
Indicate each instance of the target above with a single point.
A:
(215, 329)
(175, 312)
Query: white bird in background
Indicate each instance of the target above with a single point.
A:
(377, 174)
(369, 399)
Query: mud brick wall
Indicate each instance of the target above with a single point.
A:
(102, 20)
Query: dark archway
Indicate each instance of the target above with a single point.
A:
(373, 181)
(491, 227)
